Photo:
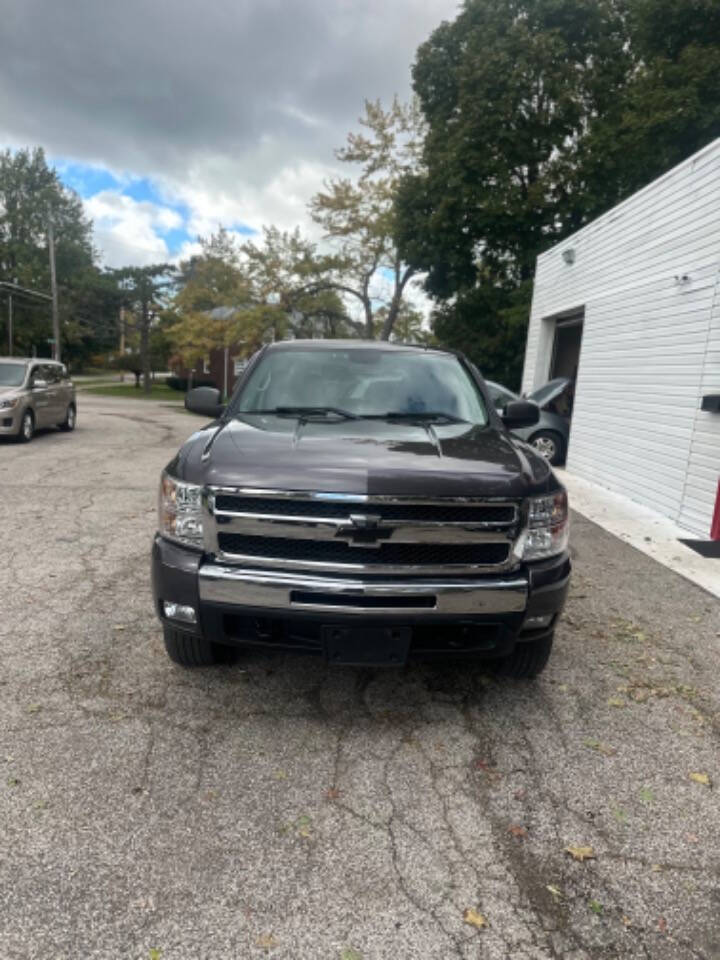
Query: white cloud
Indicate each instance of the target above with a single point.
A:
(130, 231)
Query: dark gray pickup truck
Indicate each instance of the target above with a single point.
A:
(363, 502)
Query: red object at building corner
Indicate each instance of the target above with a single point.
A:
(715, 525)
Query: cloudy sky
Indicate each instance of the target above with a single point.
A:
(172, 116)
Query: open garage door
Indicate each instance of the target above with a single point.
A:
(566, 346)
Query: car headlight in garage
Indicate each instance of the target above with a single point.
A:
(180, 511)
(548, 527)
(8, 404)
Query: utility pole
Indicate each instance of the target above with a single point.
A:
(53, 290)
(10, 329)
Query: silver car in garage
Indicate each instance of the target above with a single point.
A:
(551, 433)
(35, 393)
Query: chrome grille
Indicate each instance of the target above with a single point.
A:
(336, 551)
(351, 532)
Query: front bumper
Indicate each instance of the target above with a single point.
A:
(482, 616)
(10, 420)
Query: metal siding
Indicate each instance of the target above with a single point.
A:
(651, 345)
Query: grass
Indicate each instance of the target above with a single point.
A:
(158, 391)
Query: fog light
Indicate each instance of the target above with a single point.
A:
(537, 623)
(179, 611)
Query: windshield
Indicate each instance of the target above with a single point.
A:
(12, 374)
(363, 383)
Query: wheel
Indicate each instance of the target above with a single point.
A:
(190, 651)
(27, 427)
(549, 445)
(527, 660)
(70, 419)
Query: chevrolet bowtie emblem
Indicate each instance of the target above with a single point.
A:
(364, 530)
(365, 521)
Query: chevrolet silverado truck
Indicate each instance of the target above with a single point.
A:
(364, 502)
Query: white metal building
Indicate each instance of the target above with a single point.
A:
(630, 304)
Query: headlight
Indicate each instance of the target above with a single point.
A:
(180, 511)
(8, 404)
(548, 527)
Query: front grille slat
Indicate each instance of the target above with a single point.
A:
(336, 551)
(501, 515)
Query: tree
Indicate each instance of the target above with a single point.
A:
(211, 301)
(290, 288)
(30, 195)
(144, 290)
(358, 215)
(541, 114)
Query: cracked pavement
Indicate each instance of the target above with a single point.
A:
(280, 808)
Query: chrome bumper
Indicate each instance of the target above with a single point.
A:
(434, 596)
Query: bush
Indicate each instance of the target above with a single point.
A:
(181, 383)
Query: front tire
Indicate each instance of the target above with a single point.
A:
(188, 650)
(27, 427)
(70, 420)
(549, 445)
(528, 659)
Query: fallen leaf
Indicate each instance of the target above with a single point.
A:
(627, 921)
(119, 626)
(350, 954)
(13, 782)
(656, 868)
(34, 708)
(616, 702)
(516, 831)
(646, 795)
(332, 793)
(155, 953)
(558, 894)
(581, 853)
(280, 775)
(702, 778)
(303, 825)
(662, 924)
(604, 748)
(474, 918)
(596, 907)
(267, 941)
(692, 838)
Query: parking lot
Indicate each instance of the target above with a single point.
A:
(280, 808)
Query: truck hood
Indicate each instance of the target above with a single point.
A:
(363, 456)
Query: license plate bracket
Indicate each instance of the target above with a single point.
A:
(366, 646)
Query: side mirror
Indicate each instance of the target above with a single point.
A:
(204, 400)
(38, 384)
(520, 413)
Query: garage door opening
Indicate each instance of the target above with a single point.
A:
(566, 347)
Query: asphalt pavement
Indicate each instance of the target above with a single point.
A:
(281, 808)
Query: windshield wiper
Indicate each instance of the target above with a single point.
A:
(420, 416)
(304, 412)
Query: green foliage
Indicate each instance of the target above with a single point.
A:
(30, 195)
(232, 295)
(359, 215)
(143, 291)
(541, 114)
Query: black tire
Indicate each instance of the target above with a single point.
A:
(70, 420)
(527, 660)
(27, 427)
(550, 445)
(190, 651)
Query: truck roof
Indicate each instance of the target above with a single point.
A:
(355, 345)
